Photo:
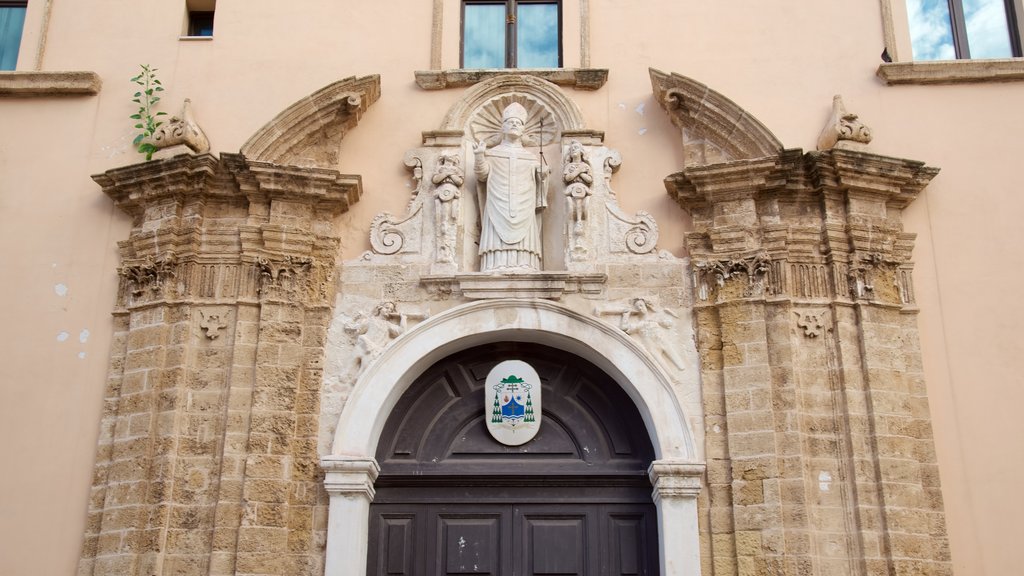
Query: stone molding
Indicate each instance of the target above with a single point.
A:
(952, 71)
(29, 84)
(177, 253)
(675, 479)
(853, 249)
(549, 285)
(578, 78)
(350, 476)
(567, 114)
(714, 129)
(308, 132)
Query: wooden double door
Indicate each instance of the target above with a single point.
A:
(519, 539)
(575, 500)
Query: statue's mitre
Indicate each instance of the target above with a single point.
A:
(514, 110)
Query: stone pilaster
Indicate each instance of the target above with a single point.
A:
(819, 449)
(207, 460)
(676, 487)
(349, 483)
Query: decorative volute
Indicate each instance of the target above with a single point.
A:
(843, 130)
(179, 135)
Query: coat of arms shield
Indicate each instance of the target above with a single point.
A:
(513, 402)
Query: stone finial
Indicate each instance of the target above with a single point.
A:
(180, 135)
(843, 130)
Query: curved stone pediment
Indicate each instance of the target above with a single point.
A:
(714, 128)
(308, 132)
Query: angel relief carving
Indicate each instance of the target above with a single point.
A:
(654, 329)
(372, 333)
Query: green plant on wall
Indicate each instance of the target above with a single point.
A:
(147, 99)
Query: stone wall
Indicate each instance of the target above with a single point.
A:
(819, 450)
(207, 461)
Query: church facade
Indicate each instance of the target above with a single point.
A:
(658, 305)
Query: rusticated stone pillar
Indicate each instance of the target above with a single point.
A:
(819, 449)
(207, 462)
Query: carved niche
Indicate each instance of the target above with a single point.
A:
(582, 226)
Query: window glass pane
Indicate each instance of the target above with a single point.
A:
(483, 36)
(537, 35)
(12, 19)
(988, 33)
(931, 33)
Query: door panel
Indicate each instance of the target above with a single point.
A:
(469, 543)
(552, 540)
(506, 540)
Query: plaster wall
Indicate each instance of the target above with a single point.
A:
(780, 61)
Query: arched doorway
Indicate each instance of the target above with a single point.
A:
(574, 500)
(351, 469)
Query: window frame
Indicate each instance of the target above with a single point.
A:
(958, 24)
(17, 4)
(511, 28)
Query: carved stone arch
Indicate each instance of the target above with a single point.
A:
(351, 468)
(564, 112)
(309, 132)
(714, 128)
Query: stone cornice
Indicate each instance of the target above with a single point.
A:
(675, 479)
(815, 226)
(135, 187)
(349, 476)
(578, 78)
(28, 84)
(953, 71)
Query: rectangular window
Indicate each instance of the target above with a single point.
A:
(12, 20)
(200, 18)
(960, 29)
(511, 34)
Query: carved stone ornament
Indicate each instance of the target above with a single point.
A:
(180, 134)
(289, 276)
(513, 188)
(578, 178)
(811, 321)
(709, 274)
(447, 179)
(372, 332)
(148, 275)
(866, 271)
(654, 328)
(512, 402)
(212, 321)
(843, 130)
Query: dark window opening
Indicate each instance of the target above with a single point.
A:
(200, 23)
(511, 34)
(962, 29)
(12, 20)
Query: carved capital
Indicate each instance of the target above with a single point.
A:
(675, 479)
(715, 275)
(347, 476)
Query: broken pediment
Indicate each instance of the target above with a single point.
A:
(309, 132)
(714, 128)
